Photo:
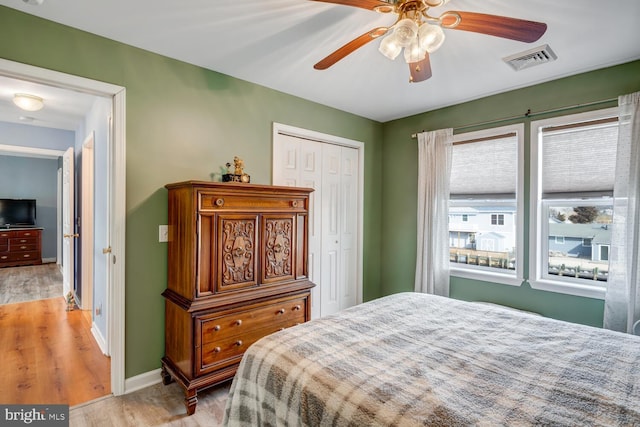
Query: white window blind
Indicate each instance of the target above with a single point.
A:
(485, 168)
(579, 160)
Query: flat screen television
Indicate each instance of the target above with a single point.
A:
(17, 212)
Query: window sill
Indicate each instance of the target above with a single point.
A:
(577, 289)
(486, 276)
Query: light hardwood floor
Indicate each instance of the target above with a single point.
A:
(49, 355)
(158, 405)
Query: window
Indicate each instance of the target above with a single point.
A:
(485, 221)
(572, 175)
(497, 219)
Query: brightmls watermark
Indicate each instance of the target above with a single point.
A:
(36, 415)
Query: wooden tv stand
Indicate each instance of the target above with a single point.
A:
(20, 246)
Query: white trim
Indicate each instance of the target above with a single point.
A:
(117, 194)
(141, 381)
(569, 288)
(102, 343)
(476, 273)
(117, 201)
(279, 128)
(538, 225)
(18, 150)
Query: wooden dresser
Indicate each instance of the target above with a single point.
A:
(237, 271)
(20, 247)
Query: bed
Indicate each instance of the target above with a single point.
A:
(415, 359)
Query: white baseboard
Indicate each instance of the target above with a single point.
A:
(141, 381)
(102, 343)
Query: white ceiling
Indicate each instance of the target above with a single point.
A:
(275, 43)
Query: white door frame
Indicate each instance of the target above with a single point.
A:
(279, 128)
(116, 194)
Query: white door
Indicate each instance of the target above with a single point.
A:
(299, 165)
(68, 233)
(86, 224)
(332, 170)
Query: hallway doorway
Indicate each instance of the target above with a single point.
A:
(112, 231)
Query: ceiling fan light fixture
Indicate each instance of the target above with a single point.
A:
(389, 47)
(413, 52)
(405, 31)
(435, 3)
(28, 102)
(431, 37)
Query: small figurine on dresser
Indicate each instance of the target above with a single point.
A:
(238, 174)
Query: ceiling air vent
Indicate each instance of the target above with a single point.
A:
(529, 58)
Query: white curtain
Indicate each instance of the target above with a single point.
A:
(434, 169)
(622, 302)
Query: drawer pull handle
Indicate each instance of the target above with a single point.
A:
(281, 311)
(4, 257)
(23, 241)
(216, 349)
(26, 255)
(219, 202)
(239, 343)
(297, 307)
(27, 234)
(238, 322)
(216, 328)
(295, 204)
(23, 247)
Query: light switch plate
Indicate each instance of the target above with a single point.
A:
(163, 233)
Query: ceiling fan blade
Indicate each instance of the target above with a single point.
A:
(354, 44)
(494, 25)
(421, 70)
(382, 6)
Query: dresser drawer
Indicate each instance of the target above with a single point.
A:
(19, 256)
(24, 247)
(225, 352)
(209, 202)
(4, 235)
(26, 233)
(17, 241)
(214, 328)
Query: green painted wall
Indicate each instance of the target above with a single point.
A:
(184, 122)
(400, 200)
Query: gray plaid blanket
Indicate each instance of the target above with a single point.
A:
(414, 359)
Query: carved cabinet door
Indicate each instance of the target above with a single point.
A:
(237, 251)
(278, 240)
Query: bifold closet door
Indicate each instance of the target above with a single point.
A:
(332, 171)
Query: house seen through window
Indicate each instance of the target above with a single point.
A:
(573, 167)
(484, 220)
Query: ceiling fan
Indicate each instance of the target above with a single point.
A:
(420, 34)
